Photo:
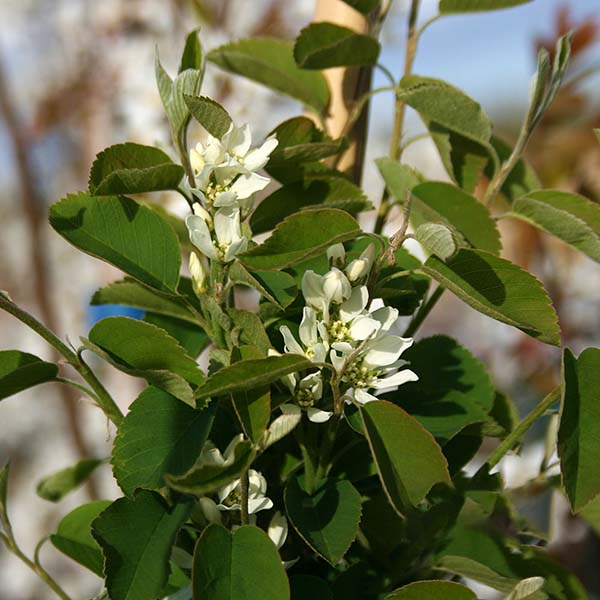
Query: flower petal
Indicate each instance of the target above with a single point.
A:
(318, 416)
(210, 510)
(291, 345)
(259, 157)
(257, 504)
(249, 183)
(386, 350)
(363, 327)
(397, 379)
(357, 302)
(278, 529)
(363, 397)
(200, 235)
(308, 327)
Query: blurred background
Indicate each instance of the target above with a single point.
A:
(78, 75)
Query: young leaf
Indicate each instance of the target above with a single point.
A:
(271, 62)
(579, 430)
(20, 371)
(301, 236)
(136, 537)
(131, 293)
(206, 477)
(326, 520)
(498, 289)
(525, 589)
(570, 217)
(334, 192)
(159, 435)
(437, 200)
(325, 45)
(210, 114)
(454, 389)
(408, 459)
(133, 169)
(250, 374)
(57, 486)
(242, 564)
(120, 231)
(144, 350)
(191, 57)
(74, 536)
(427, 590)
(448, 7)
(437, 239)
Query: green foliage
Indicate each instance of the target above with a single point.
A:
(120, 231)
(271, 62)
(363, 6)
(20, 371)
(133, 169)
(328, 519)
(136, 536)
(160, 435)
(242, 564)
(499, 289)
(74, 538)
(461, 6)
(426, 590)
(324, 45)
(210, 114)
(437, 239)
(276, 286)
(55, 487)
(579, 431)
(406, 476)
(399, 179)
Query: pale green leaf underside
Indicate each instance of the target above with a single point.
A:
(56, 486)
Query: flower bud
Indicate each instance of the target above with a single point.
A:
(336, 255)
(336, 286)
(361, 266)
(198, 273)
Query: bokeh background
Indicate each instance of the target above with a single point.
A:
(77, 76)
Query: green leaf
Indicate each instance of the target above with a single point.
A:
(130, 293)
(120, 231)
(437, 239)
(579, 432)
(454, 389)
(136, 536)
(191, 57)
(278, 287)
(242, 564)
(248, 331)
(301, 236)
(439, 102)
(271, 62)
(144, 350)
(326, 520)
(58, 485)
(20, 370)
(448, 7)
(74, 536)
(334, 192)
(498, 289)
(472, 569)
(399, 178)
(133, 169)
(203, 478)
(210, 114)
(191, 337)
(526, 588)
(363, 6)
(325, 45)
(408, 459)
(159, 435)
(250, 374)
(591, 513)
(442, 201)
(570, 217)
(427, 590)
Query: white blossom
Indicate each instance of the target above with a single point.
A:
(306, 392)
(360, 267)
(198, 273)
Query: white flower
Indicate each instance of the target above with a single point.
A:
(219, 239)
(336, 255)
(314, 349)
(336, 286)
(320, 291)
(306, 392)
(361, 266)
(231, 494)
(198, 273)
(237, 142)
(278, 532)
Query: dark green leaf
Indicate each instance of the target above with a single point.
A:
(570, 217)
(271, 62)
(454, 389)
(204, 478)
(407, 475)
(334, 192)
(191, 337)
(159, 435)
(191, 57)
(428, 590)
(276, 286)
(74, 536)
(136, 536)
(498, 289)
(579, 432)
(133, 169)
(435, 201)
(250, 374)
(328, 519)
(300, 237)
(20, 370)
(363, 6)
(461, 6)
(210, 114)
(120, 231)
(58, 485)
(242, 564)
(324, 45)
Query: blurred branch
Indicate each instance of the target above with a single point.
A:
(33, 208)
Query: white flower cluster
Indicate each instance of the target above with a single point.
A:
(337, 327)
(225, 181)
